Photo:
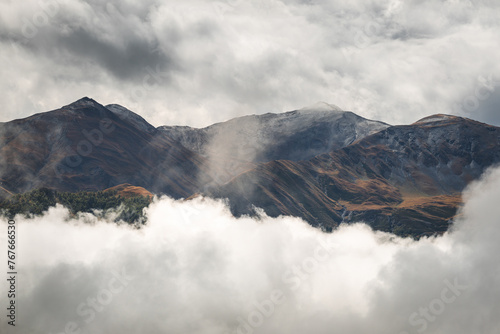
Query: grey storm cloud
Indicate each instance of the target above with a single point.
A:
(124, 52)
(198, 62)
(124, 61)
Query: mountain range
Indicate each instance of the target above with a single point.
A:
(320, 163)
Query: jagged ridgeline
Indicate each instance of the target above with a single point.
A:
(101, 203)
(323, 164)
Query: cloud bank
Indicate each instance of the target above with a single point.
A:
(198, 62)
(196, 269)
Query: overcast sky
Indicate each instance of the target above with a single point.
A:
(196, 62)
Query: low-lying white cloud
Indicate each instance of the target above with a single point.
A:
(196, 269)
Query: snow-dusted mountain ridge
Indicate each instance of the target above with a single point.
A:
(294, 135)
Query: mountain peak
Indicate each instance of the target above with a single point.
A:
(321, 106)
(83, 102)
(437, 118)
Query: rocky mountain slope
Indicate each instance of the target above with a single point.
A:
(86, 146)
(320, 163)
(407, 178)
(295, 135)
